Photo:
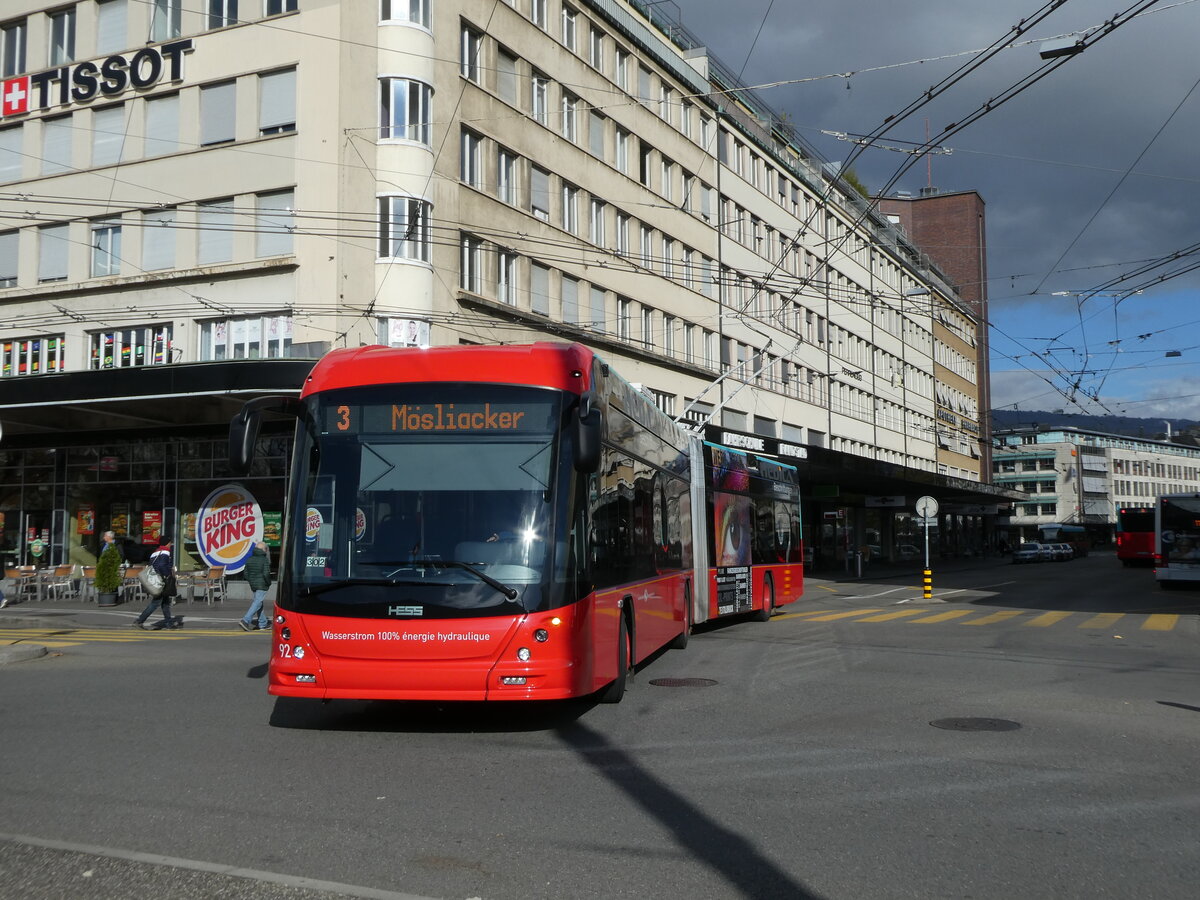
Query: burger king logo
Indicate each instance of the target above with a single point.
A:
(228, 526)
(360, 524)
(313, 520)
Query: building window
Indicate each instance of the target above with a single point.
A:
(470, 168)
(596, 134)
(62, 36)
(12, 48)
(404, 332)
(11, 158)
(624, 312)
(539, 193)
(162, 125)
(621, 68)
(404, 109)
(470, 52)
(570, 300)
(570, 197)
(274, 223)
(158, 240)
(596, 222)
(415, 11)
(664, 401)
(9, 241)
(214, 222)
(506, 176)
(471, 273)
(569, 18)
(623, 139)
(506, 76)
(110, 26)
(539, 289)
(277, 102)
(598, 308)
(53, 243)
(222, 13)
(108, 135)
(56, 144)
(165, 20)
(537, 13)
(668, 256)
(249, 337)
(668, 336)
(218, 107)
(596, 49)
(33, 355)
(506, 277)
(279, 7)
(404, 228)
(622, 242)
(106, 247)
(539, 100)
(570, 107)
(148, 345)
(647, 326)
(646, 245)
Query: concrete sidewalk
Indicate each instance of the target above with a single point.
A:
(86, 614)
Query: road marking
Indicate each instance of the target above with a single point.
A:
(945, 617)
(801, 615)
(844, 615)
(1160, 622)
(1102, 620)
(1001, 616)
(1048, 618)
(887, 617)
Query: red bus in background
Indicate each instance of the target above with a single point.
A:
(505, 523)
(1135, 535)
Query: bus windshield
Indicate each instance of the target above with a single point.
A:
(430, 500)
(1179, 532)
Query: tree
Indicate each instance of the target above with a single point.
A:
(108, 571)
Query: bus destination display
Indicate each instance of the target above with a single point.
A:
(437, 418)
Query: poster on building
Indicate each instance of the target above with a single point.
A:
(273, 528)
(189, 528)
(151, 526)
(120, 519)
(85, 520)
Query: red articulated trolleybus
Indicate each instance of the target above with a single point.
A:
(1135, 535)
(506, 523)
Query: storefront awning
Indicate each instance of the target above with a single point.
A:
(142, 397)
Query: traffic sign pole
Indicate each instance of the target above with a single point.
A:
(927, 508)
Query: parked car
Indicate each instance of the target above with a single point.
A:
(1028, 553)
(1063, 552)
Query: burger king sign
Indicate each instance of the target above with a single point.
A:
(228, 525)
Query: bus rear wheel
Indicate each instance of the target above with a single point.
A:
(615, 691)
(768, 601)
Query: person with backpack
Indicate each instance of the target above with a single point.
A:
(258, 576)
(160, 561)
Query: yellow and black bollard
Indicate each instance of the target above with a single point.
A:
(929, 584)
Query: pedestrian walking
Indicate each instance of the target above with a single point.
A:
(258, 576)
(160, 560)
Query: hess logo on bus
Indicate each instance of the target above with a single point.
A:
(228, 525)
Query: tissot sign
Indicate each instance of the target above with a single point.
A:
(85, 81)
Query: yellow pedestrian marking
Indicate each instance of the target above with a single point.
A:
(843, 615)
(1001, 616)
(825, 588)
(1049, 618)
(1160, 622)
(946, 616)
(1102, 620)
(887, 617)
(800, 615)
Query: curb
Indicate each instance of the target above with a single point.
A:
(20, 652)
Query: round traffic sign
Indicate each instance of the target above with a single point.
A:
(927, 507)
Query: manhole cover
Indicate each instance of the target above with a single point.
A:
(682, 682)
(976, 724)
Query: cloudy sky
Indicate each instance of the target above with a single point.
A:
(1088, 175)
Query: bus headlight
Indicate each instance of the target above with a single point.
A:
(541, 635)
(298, 653)
(523, 654)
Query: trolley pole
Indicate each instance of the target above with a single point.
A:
(927, 508)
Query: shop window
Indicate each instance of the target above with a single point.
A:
(249, 337)
(34, 355)
(148, 345)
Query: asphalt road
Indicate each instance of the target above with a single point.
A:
(155, 765)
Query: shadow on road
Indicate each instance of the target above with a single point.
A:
(404, 717)
(1178, 705)
(728, 854)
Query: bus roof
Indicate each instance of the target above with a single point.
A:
(548, 364)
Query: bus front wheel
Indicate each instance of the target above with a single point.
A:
(615, 691)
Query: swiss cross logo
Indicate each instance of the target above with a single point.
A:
(14, 97)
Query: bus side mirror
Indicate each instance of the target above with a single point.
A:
(588, 425)
(243, 430)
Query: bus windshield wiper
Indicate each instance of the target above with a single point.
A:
(323, 588)
(503, 588)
